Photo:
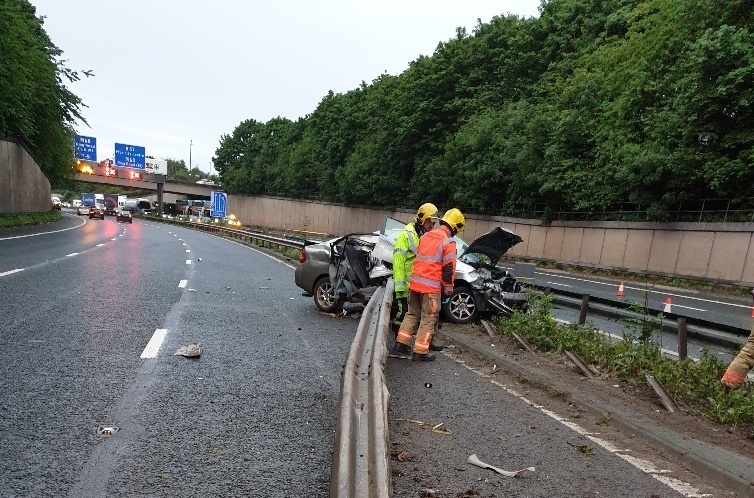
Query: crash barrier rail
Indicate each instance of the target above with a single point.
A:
(256, 238)
(360, 465)
(707, 331)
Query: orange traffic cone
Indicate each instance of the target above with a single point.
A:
(620, 289)
(752, 311)
(667, 307)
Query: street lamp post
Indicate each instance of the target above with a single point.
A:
(190, 145)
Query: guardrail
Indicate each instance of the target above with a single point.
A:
(361, 452)
(257, 238)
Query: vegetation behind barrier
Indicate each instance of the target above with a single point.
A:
(695, 384)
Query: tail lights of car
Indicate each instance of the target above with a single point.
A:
(302, 258)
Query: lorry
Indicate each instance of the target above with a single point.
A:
(88, 199)
(113, 202)
(139, 205)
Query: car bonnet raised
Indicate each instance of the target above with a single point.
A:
(493, 244)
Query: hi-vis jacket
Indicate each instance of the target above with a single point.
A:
(435, 266)
(404, 255)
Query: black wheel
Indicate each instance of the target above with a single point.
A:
(324, 296)
(102, 217)
(462, 307)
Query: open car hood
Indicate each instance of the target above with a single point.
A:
(493, 244)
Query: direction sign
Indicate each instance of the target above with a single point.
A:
(131, 156)
(219, 201)
(85, 148)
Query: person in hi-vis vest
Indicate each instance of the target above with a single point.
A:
(430, 285)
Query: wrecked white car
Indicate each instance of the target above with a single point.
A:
(359, 263)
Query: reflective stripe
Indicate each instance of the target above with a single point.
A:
(399, 283)
(404, 337)
(402, 251)
(426, 281)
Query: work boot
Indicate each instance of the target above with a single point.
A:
(424, 357)
(400, 350)
(433, 346)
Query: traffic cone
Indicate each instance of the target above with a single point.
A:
(667, 307)
(620, 289)
(752, 311)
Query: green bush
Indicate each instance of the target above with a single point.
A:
(695, 384)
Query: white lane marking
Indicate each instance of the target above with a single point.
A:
(182, 284)
(687, 307)
(114, 239)
(153, 347)
(558, 283)
(188, 261)
(121, 235)
(100, 245)
(72, 254)
(188, 250)
(642, 289)
(11, 272)
(645, 466)
(44, 233)
(184, 243)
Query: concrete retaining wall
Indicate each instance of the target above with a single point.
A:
(720, 252)
(23, 186)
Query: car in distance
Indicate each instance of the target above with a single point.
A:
(97, 212)
(123, 215)
(82, 209)
(56, 202)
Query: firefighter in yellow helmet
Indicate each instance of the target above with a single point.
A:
(404, 254)
(430, 285)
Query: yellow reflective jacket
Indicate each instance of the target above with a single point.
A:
(404, 255)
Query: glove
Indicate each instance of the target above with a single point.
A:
(446, 300)
(401, 294)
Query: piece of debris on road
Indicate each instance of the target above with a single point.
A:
(192, 350)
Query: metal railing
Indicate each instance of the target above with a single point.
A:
(361, 458)
(256, 238)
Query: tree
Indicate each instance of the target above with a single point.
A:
(36, 108)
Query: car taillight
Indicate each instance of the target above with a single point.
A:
(302, 259)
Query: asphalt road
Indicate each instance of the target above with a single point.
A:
(81, 300)
(253, 416)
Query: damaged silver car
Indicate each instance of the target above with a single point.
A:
(350, 268)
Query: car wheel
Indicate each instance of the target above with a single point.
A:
(102, 217)
(462, 307)
(324, 296)
(130, 221)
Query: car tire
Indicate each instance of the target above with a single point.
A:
(324, 296)
(462, 306)
(102, 217)
(130, 221)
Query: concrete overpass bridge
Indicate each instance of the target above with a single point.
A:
(150, 181)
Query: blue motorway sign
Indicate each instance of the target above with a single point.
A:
(217, 208)
(85, 148)
(131, 156)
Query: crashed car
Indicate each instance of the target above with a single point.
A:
(350, 268)
(480, 285)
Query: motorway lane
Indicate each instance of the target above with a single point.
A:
(254, 416)
(733, 311)
(493, 417)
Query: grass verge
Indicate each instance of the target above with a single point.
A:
(694, 383)
(18, 220)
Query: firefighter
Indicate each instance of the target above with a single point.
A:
(404, 255)
(735, 375)
(430, 286)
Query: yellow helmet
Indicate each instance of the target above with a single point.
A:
(427, 210)
(455, 220)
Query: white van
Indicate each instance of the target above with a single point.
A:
(75, 203)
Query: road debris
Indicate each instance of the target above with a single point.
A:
(193, 350)
(583, 448)
(474, 460)
(441, 430)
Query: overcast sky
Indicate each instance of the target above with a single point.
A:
(172, 72)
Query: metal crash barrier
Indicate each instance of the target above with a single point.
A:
(361, 452)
